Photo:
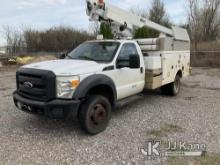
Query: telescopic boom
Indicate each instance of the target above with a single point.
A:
(125, 22)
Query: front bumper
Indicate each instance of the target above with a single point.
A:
(53, 109)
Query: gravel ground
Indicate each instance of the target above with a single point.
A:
(27, 139)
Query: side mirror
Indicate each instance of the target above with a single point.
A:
(122, 63)
(62, 56)
(134, 61)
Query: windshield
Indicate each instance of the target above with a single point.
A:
(95, 51)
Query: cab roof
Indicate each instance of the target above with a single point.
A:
(112, 40)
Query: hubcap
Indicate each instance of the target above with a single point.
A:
(98, 114)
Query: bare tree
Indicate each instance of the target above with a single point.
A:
(158, 13)
(211, 19)
(14, 39)
(55, 39)
(139, 11)
(95, 28)
(32, 39)
(194, 21)
(204, 20)
(7, 35)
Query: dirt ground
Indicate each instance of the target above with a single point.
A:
(192, 117)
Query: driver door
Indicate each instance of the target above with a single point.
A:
(128, 81)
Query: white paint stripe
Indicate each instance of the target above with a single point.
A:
(193, 153)
(182, 153)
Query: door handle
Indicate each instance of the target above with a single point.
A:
(142, 70)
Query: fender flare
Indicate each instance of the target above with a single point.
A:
(92, 81)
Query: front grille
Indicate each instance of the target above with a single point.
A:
(36, 84)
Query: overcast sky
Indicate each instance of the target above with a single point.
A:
(41, 14)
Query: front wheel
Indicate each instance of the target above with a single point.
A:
(172, 89)
(94, 114)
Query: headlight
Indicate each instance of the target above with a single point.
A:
(66, 86)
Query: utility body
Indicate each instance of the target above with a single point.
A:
(97, 75)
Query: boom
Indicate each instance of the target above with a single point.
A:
(125, 22)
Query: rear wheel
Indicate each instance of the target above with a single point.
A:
(172, 89)
(94, 114)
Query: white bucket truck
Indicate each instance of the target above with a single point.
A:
(97, 75)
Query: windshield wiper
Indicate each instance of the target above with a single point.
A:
(81, 58)
(87, 58)
(69, 57)
(84, 58)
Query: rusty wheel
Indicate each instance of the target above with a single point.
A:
(98, 114)
(95, 114)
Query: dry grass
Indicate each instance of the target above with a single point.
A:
(43, 58)
(162, 133)
(203, 160)
(164, 130)
(31, 59)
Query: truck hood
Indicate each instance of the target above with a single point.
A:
(68, 67)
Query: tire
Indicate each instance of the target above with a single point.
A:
(94, 114)
(172, 89)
